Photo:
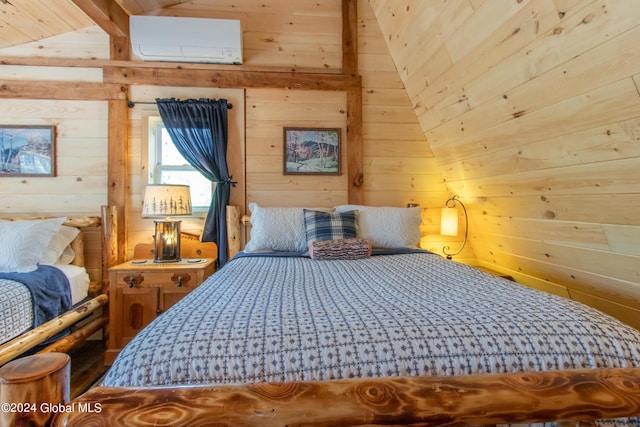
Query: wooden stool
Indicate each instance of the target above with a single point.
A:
(33, 389)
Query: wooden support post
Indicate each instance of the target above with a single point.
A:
(33, 389)
(233, 231)
(118, 170)
(355, 191)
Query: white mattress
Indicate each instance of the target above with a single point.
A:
(78, 280)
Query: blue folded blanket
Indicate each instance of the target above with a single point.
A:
(50, 292)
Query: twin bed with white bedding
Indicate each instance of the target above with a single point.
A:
(279, 313)
(47, 284)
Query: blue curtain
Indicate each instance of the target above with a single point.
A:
(198, 128)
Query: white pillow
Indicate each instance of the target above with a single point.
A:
(67, 256)
(277, 229)
(23, 243)
(56, 252)
(388, 227)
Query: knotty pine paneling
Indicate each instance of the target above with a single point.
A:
(268, 112)
(282, 33)
(399, 166)
(80, 187)
(531, 109)
(87, 42)
(23, 21)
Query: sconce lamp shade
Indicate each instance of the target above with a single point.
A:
(449, 222)
(164, 200)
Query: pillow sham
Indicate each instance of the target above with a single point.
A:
(388, 227)
(277, 229)
(58, 251)
(340, 249)
(23, 243)
(329, 225)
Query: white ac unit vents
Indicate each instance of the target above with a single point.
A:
(178, 39)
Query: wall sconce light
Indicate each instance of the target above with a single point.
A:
(165, 201)
(449, 223)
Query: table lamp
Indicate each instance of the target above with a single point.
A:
(166, 201)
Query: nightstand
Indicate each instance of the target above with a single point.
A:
(141, 290)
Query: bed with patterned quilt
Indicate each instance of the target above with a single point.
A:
(283, 313)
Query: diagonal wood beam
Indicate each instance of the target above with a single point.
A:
(107, 14)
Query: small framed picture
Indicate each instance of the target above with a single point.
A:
(311, 151)
(27, 150)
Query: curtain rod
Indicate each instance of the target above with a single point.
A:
(132, 104)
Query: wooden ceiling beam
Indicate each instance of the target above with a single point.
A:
(99, 63)
(82, 91)
(230, 79)
(107, 14)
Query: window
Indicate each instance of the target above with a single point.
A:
(167, 166)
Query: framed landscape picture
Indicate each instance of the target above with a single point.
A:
(311, 151)
(27, 150)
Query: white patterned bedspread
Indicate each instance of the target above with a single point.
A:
(16, 309)
(285, 319)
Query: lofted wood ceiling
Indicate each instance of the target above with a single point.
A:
(24, 21)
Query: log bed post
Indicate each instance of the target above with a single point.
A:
(33, 389)
(234, 241)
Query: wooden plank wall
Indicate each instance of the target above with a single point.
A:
(81, 139)
(532, 109)
(268, 112)
(80, 187)
(399, 167)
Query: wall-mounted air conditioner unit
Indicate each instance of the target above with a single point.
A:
(178, 39)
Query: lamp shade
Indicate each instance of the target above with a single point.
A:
(164, 200)
(449, 222)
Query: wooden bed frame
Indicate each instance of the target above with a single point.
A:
(97, 250)
(575, 397)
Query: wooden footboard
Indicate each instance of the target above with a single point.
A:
(568, 396)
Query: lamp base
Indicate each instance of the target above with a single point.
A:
(166, 241)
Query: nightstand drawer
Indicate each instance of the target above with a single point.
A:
(145, 279)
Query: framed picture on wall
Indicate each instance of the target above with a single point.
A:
(311, 151)
(27, 150)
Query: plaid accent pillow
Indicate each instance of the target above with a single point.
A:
(330, 225)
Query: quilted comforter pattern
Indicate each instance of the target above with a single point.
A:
(286, 319)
